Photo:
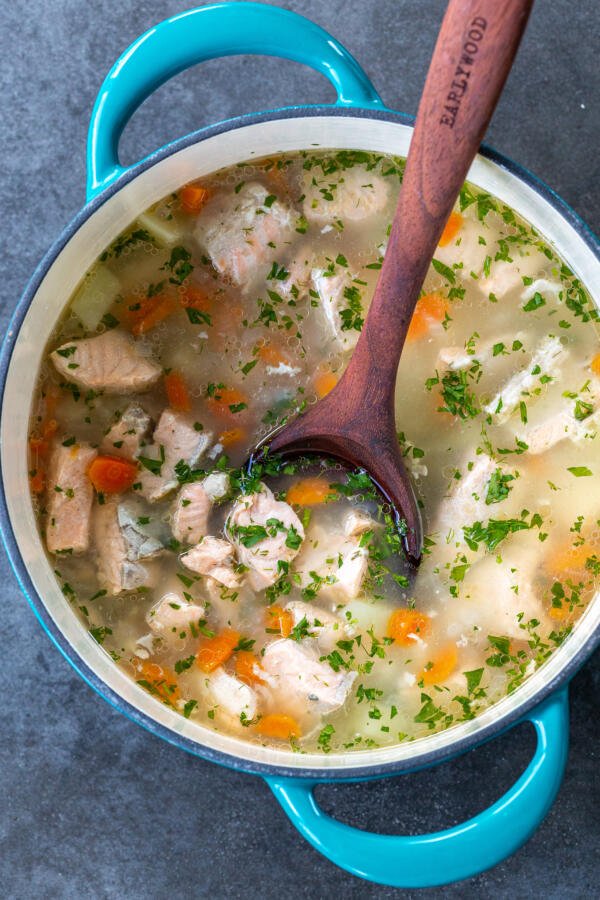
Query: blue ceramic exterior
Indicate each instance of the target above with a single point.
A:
(170, 47)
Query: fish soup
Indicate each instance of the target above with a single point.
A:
(276, 605)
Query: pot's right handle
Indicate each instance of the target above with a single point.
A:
(208, 32)
(427, 860)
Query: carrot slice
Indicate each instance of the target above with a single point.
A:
(279, 726)
(226, 402)
(271, 355)
(430, 308)
(37, 481)
(246, 664)
(325, 383)
(404, 623)
(143, 315)
(441, 667)
(558, 613)
(159, 680)
(112, 475)
(233, 436)
(279, 620)
(568, 559)
(216, 650)
(195, 297)
(451, 229)
(193, 197)
(595, 364)
(177, 392)
(309, 492)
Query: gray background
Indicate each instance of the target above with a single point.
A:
(91, 805)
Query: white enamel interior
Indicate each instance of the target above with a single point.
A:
(94, 235)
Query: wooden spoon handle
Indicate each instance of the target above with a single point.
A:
(475, 49)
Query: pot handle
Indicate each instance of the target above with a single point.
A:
(427, 860)
(208, 32)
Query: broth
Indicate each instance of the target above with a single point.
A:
(277, 605)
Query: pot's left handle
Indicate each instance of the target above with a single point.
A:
(429, 860)
(208, 32)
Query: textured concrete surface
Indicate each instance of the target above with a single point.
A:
(91, 805)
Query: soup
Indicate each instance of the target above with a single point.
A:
(276, 605)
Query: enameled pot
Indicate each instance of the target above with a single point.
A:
(116, 195)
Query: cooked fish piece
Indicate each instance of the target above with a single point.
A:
(189, 520)
(70, 497)
(241, 235)
(117, 561)
(339, 562)
(283, 535)
(465, 502)
(214, 558)
(217, 486)
(468, 248)
(175, 440)
(109, 362)
(175, 618)
(126, 437)
(232, 696)
(139, 536)
(335, 293)
(507, 276)
(561, 426)
(353, 195)
(546, 360)
(324, 626)
(295, 671)
(357, 522)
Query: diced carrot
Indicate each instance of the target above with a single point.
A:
(215, 651)
(177, 392)
(595, 364)
(568, 559)
(279, 620)
(278, 726)
(430, 308)
(195, 297)
(271, 355)
(451, 228)
(159, 680)
(143, 315)
(37, 481)
(193, 197)
(441, 667)
(325, 383)
(112, 475)
(246, 664)
(222, 401)
(558, 613)
(404, 623)
(232, 436)
(309, 492)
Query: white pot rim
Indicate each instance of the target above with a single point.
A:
(53, 282)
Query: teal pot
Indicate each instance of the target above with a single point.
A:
(116, 195)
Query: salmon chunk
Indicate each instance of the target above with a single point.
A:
(119, 568)
(545, 361)
(213, 557)
(354, 195)
(561, 426)
(357, 522)
(324, 626)
(467, 248)
(508, 276)
(465, 502)
(174, 617)
(231, 695)
(189, 520)
(175, 440)
(126, 437)
(242, 235)
(295, 672)
(70, 497)
(332, 565)
(336, 293)
(109, 362)
(265, 531)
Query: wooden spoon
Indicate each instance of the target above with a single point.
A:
(355, 423)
